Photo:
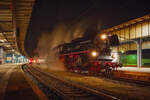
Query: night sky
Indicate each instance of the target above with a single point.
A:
(48, 13)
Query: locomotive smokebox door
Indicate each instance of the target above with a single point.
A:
(113, 40)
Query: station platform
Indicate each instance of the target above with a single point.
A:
(135, 69)
(14, 85)
(142, 74)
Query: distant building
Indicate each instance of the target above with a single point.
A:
(134, 36)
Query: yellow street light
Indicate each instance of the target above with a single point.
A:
(103, 36)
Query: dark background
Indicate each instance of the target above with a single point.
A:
(47, 13)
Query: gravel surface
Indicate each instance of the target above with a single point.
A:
(123, 90)
(48, 92)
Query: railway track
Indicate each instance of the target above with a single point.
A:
(66, 89)
(137, 82)
(122, 79)
(127, 80)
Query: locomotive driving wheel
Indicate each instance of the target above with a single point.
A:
(108, 71)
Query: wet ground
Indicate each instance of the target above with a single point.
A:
(13, 85)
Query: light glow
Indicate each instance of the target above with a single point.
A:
(94, 53)
(41, 60)
(122, 51)
(103, 36)
(115, 55)
(2, 40)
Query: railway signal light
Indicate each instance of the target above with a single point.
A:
(31, 61)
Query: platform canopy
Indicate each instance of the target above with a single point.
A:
(14, 20)
(128, 23)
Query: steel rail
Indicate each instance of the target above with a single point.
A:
(73, 89)
(46, 82)
(121, 79)
(132, 81)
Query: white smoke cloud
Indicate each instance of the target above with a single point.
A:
(59, 35)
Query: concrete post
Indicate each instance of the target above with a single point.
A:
(139, 52)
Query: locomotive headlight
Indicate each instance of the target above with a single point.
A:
(94, 53)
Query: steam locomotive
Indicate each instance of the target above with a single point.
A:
(86, 55)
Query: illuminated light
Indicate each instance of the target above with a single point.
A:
(94, 53)
(34, 61)
(22, 56)
(41, 60)
(31, 60)
(2, 40)
(12, 50)
(115, 55)
(8, 46)
(103, 36)
(122, 51)
(37, 60)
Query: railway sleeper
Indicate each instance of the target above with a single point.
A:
(73, 89)
(70, 89)
(75, 92)
(79, 95)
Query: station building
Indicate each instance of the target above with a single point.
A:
(134, 37)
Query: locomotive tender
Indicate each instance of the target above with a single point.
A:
(86, 55)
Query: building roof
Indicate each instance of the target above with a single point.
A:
(125, 24)
(14, 20)
(7, 40)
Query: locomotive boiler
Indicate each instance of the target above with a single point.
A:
(86, 55)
